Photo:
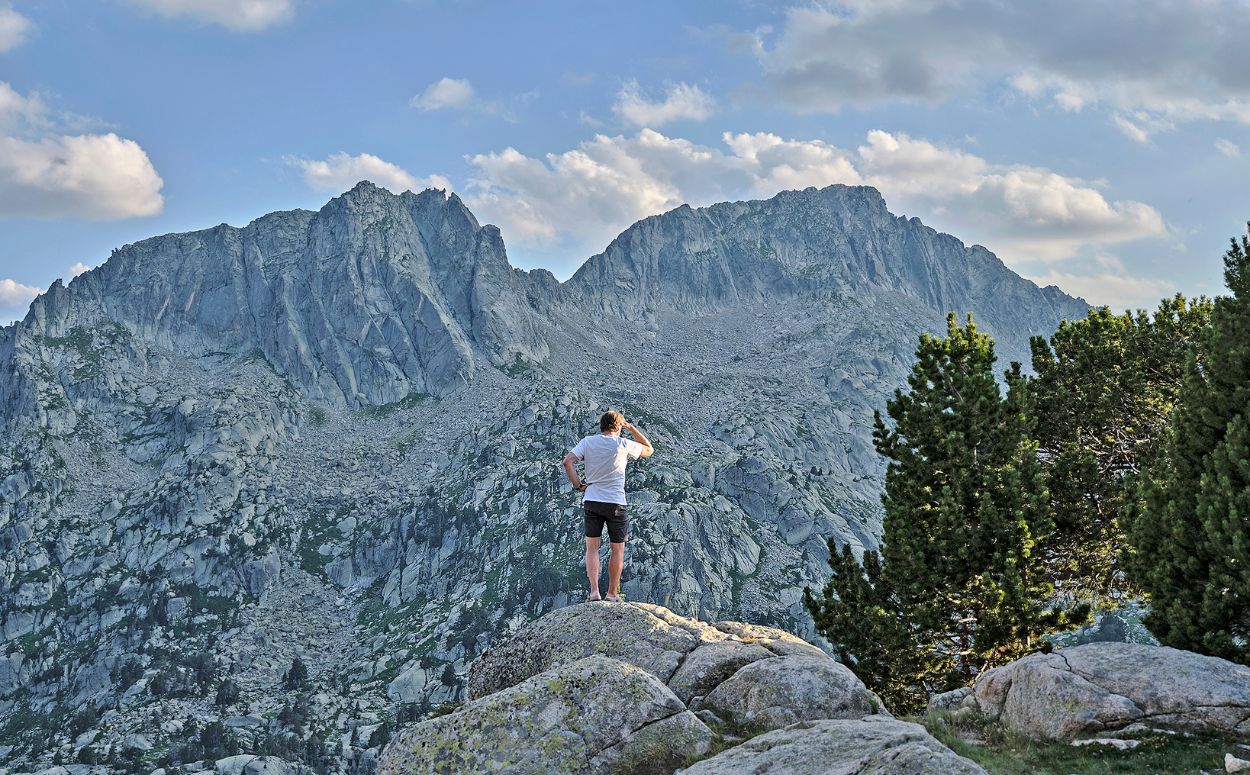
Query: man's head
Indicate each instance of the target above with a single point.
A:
(611, 422)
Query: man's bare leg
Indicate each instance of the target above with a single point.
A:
(616, 562)
(592, 565)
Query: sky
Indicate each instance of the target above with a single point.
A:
(1101, 146)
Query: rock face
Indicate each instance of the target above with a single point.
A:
(336, 435)
(1089, 690)
(583, 690)
(877, 744)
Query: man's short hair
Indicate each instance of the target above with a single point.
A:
(611, 420)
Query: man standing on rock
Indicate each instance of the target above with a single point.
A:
(605, 456)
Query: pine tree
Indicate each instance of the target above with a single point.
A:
(860, 614)
(1189, 526)
(297, 677)
(1104, 389)
(965, 505)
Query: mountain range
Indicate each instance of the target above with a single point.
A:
(335, 437)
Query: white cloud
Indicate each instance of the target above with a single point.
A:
(1024, 213)
(682, 101)
(13, 292)
(459, 94)
(13, 28)
(14, 299)
(46, 172)
(1228, 148)
(18, 112)
(446, 93)
(240, 15)
(594, 191)
(1074, 54)
(1111, 284)
(591, 193)
(338, 172)
(77, 269)
(1132, 131)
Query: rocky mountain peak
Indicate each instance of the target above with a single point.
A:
(809, 244)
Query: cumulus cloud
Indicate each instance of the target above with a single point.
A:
(19, 111)
(1167, 61)
(1110, 284)
(340, 171)
(45, 173)
(592, 192)
(446, 93)
(1228, 148)
(13, 28)
(13, 292)
(239, 15)
(14, 299)
(682, 101)
(77, 269)
(87, 176)
(1023, 212)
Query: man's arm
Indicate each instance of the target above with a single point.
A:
(570, 468)
(647, 449)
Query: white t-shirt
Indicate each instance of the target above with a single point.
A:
(605, 458)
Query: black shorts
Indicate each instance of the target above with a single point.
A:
(598, 512)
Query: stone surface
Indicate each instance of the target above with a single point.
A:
(690, 655)
(876, 744)
(753, 678)
(592, 715)
(1234, 764)
(949, 700)
(706, 666)
(1088, 690)
(1118, 743)
(775, 692)
(630, 632)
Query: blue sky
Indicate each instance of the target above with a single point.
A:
(1100, 146)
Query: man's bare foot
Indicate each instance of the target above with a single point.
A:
(612, 599)
(593, 596)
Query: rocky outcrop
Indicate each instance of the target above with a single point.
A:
(1090, 690)
(879, 745)
(630, 688)
(772, 693)
(748, 678)
(593, 715)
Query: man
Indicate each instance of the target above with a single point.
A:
(605, 457)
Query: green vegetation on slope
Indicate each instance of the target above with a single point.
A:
(1002, 753)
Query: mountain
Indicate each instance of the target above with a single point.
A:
(336, 436)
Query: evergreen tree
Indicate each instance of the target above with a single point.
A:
(861, 616)
(227, 694)
(1104, 389)
(1189, 526)
(965, 505)
(297, 677)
